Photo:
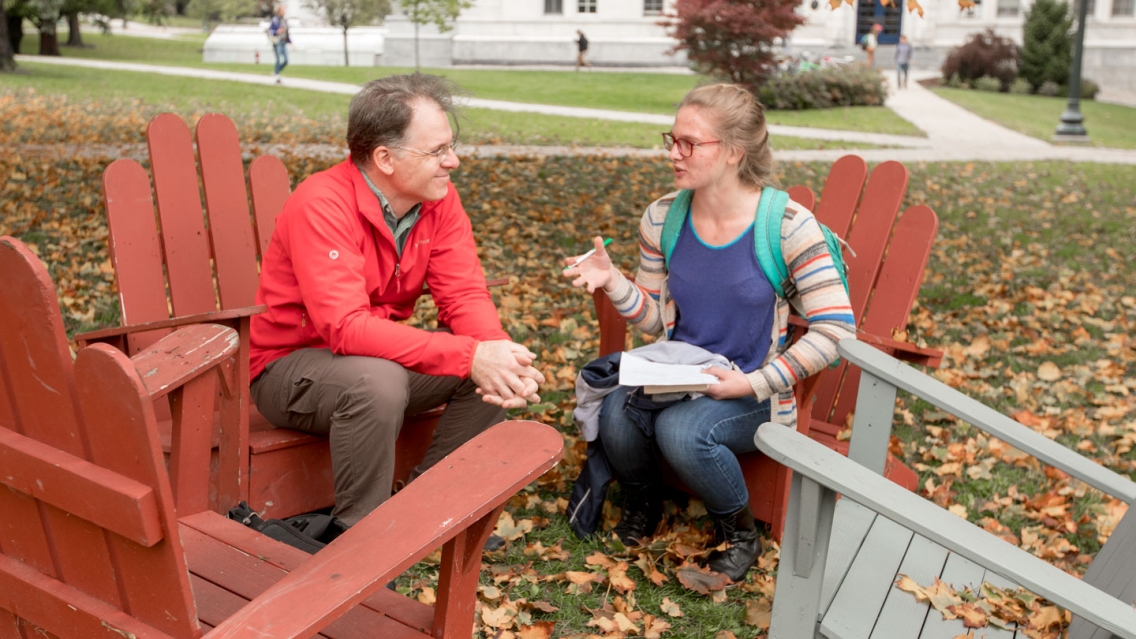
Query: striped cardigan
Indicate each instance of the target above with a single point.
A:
(813, 279)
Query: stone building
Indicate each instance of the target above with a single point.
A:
(628, 33)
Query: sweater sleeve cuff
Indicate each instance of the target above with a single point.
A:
(619, 288)
(761, 388)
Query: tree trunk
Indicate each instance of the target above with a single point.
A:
(48, 38)
(346, 62)
(7, 62)
(15, 25)
(74, 36)
(417, 67)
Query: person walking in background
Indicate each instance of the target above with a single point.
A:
(870, 41)
(902, 61)
(582, 50)
(278, 35)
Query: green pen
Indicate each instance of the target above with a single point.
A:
(587, 255)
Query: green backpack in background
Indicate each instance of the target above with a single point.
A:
(766, 236)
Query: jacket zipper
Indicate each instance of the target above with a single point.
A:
(398, 277)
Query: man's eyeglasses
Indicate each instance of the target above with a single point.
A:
(439, 154)
(685, 147)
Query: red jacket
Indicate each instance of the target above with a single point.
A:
(332, 278)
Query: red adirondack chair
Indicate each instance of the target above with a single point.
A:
(211, 267)
(884, 277)
(92, 545)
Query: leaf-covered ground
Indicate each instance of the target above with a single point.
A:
(1030, 291)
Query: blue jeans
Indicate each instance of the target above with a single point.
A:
(281, 51)
(699, 439)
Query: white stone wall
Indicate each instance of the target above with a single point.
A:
(314, 46)
(519, 32)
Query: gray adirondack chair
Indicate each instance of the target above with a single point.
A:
(840, 558)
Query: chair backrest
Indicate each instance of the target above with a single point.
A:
(89, 528)
(889, 259)
(1113, 571)
(185, 261)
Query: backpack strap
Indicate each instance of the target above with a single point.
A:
(767, 237)
(676, 217)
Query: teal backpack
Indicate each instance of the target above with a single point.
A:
(766, 236)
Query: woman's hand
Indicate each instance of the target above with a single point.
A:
(594, 272)
(731, 384)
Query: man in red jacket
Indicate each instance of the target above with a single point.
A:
(348, 259)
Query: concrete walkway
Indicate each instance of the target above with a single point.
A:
(953, 133)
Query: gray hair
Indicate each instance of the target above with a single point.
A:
(381, 111)
(739, 122)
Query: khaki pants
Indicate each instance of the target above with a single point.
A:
(581, 60)
(358, 403)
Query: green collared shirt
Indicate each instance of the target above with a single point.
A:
(400, 227)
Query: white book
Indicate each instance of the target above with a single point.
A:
(662, 378)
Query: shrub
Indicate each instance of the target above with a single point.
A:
(1049, 89)
(1021, 86)
(987, 83)
(853, 85)
(1089, 89)
(1047, 43)
(956, 82)
(985, 54)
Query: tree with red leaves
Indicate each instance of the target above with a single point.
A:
(733, 38)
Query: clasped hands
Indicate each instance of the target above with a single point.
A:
(504, 374)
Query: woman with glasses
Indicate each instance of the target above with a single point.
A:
(710, 291)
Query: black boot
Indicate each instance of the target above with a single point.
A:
(642, 510)
(740, 531)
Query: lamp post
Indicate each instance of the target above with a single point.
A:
(1072, 126)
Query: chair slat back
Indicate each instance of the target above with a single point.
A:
(226, 200)
(871, 230)
(268, 181)
(135, 248)
(83, 418)
(901, 275)
(187, 251)
(841, 194)
(868, 237)
(40, 382)
(802, 195)
(123, 432)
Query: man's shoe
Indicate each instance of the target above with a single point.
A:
(740, 530)
(642, 511)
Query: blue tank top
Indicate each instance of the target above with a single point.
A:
(723, 300)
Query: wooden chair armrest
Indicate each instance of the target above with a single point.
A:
(470, 483)
(212, 317)
(893, 372)
(184, 355)
(904, 351)
(840, 474)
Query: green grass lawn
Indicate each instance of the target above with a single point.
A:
(638, 92)
(321, 116)
(1109, 125)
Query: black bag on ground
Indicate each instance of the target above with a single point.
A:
(308, 532)
(585, 506)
